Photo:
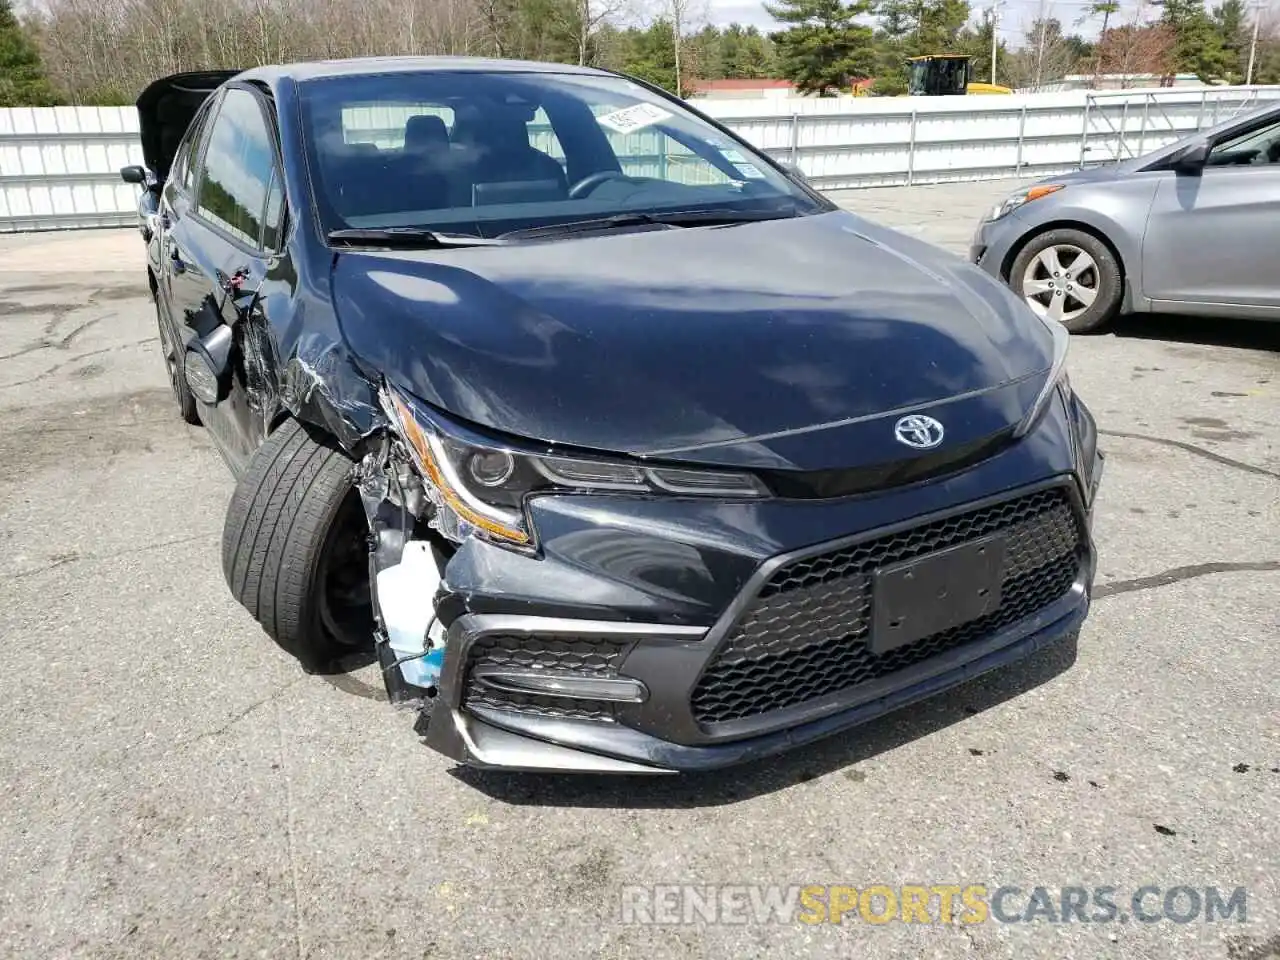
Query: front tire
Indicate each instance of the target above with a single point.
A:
(294, 547)
(1069, 277)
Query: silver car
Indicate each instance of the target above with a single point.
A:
(1193, 228)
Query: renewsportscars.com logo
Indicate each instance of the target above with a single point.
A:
(933, 904)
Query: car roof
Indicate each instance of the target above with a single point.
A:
(365, 66)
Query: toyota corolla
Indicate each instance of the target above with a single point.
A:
(624, 448)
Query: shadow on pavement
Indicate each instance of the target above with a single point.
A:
(750, 780)
(1209, 331)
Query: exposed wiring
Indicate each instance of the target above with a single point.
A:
(415, 656)
(404, 510)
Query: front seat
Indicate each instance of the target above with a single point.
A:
(495, 143)
(430, 171)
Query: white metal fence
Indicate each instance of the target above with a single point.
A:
(902, 141)
(59, 165)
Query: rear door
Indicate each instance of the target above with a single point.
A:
(1212, 237)
(221, 248)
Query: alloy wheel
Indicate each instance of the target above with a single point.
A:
(1060, 283)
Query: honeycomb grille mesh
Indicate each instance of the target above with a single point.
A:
(573, 655)
(804, 635)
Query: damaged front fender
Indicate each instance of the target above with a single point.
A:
(322, 383)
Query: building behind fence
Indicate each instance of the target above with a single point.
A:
(59, 165)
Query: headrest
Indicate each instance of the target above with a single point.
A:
(425, 133)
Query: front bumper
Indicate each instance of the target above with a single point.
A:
(676, 726)
(643, 603)
(994, 241)
(497, 739)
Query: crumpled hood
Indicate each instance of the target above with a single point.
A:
(663, 342)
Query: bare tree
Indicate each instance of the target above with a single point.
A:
(1137, 48)
(590, 16)
(684, 14)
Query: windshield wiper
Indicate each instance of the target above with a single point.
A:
(673, 218)
(407, 237)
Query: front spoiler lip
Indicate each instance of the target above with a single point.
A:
(487, 738)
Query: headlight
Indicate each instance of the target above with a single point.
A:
(479, 487)
(1022, 197)
(1057, 377)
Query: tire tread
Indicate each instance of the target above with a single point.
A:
(276, 526)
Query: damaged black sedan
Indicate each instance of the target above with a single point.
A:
(623, 447)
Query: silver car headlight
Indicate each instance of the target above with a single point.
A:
(479, 487)
(1023, 197)
(1057, 378)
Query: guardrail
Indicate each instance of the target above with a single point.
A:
(59, 165)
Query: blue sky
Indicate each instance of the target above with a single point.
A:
(1016, 14)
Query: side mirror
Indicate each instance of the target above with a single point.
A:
(207, 365)
(1193, 157)
(134, 174)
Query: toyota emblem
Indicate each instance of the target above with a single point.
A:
(918, 431)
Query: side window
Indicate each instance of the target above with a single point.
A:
(273, 217)
(1255, 147)
(184, 158)
(238, 164)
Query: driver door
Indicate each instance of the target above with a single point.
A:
(1212, 236)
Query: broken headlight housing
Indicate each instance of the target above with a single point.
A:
(479, 486)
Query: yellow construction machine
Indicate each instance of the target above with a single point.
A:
(945, 75)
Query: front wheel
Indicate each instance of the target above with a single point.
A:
(295, 547)
(1068, 277)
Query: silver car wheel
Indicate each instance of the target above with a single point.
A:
(1060, 283)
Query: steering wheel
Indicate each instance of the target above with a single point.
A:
(592, 180)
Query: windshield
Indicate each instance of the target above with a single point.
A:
(489, 153)
(940, 76)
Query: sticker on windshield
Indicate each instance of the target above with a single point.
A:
(633, 118)
(742, 164)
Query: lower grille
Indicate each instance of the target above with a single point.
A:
(561, 655)
(804, 636)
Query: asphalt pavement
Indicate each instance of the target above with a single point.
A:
(175, 786)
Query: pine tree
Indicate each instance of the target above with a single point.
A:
(1233, 33)
(650, 54)
(1197, 46)
(746, 53)
(22, 79)
(825, 48)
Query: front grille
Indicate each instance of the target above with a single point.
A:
(804, 636)
(565, 655)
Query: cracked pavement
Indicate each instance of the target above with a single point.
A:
(177, 787)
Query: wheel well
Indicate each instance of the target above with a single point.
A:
(282, 416)
(152, 283)
(1098, 235)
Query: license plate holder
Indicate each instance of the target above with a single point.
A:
(917, 598)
